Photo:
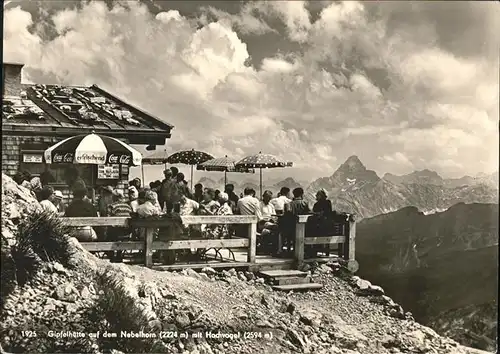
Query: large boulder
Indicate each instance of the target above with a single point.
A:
(17, 203)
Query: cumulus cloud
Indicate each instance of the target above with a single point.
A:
(358, 83)
(245, 21)
(399, 158)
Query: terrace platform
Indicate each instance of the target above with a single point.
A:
(237, 252)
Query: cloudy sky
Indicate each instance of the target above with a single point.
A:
(404, 86)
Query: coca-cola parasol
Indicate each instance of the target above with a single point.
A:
(189, 157)
(92, 149)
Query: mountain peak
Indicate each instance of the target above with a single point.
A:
(353, 170)
(288, 182)
(427, 173)
(354, 162)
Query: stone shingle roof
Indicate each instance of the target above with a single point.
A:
(77, 107)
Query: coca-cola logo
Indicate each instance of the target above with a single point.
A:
(113, 159)
(125, 159)
(66, 158)
(121, 159)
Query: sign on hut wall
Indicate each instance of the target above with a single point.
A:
(108, 172)
(32, 158)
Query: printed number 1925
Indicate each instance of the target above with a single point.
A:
(28, 334)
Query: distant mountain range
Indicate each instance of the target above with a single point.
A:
(355, 189)
(442, 267)
(431, 177)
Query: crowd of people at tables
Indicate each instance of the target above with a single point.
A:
(276, 215)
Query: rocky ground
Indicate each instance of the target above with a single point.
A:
(87, 295)
(348, 315)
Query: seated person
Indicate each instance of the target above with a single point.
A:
(149, 207)
(323, 205)
(58, 202)
(79, 207)
(119, 207)
(209, 203)
(320, 223)
(133, 196)
(219, 231)
(188, 206)
(156, 202)
(267, 225)
(198, 193)
(138, 233)
(136, 182)
(280, 201)
(248, 205)
(46, 198)
(225, 207)
(233, 198)
(36, 187)
(105, 199)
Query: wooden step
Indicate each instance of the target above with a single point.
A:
(325, 259)
(282, 273)
(291, 280)
(298, 287)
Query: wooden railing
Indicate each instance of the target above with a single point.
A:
(346, 241)
(149, 245)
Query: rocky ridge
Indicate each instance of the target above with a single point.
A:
(444, 267)
(90, 295)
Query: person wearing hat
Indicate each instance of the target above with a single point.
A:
(133, 196)
(57, 199)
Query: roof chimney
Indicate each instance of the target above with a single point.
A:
(12, 79)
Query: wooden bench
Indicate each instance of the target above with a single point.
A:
(149, 245)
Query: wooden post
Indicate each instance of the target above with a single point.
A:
(148, 243)
(351, 254)
(300, 231)
(192, 177)
(349, 247)
(345, 245)
(260, 186)
(252, 236)
(344, 231)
